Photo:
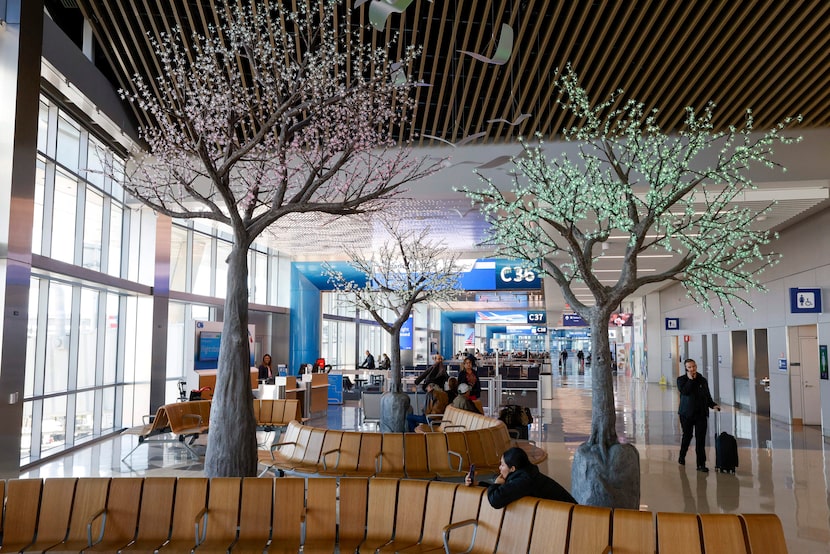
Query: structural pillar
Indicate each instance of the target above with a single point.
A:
(21, 43)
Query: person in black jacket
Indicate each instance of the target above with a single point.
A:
(695, 402)
(436, 373)
(469, 376)
(519, 478)
(368, 362)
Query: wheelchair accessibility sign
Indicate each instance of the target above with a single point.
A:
(805, 301)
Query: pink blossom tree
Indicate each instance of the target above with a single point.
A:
(272, 113)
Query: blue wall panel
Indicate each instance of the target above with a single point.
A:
(306, 310)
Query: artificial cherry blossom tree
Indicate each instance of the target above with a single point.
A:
(276, 111)
(658, 193)
(408, 269)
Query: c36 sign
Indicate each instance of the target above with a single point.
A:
(515, 276)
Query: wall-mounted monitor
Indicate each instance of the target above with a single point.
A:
(209, 343)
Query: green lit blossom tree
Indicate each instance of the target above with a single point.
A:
(277, 111)
(658, 192)
(408, 269)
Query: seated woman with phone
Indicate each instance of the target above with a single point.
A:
(518, 478)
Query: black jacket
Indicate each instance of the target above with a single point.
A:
(369, 362)
(695, 399)
(528, 481)
(475, 391)
(436, 373)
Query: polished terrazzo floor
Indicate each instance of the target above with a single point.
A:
(783, 469)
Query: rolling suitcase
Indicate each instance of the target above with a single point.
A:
(726, 450)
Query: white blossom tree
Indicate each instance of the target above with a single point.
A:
(276, 111)
(656, 192)
(408, 269)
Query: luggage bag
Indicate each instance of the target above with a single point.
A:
(726, 450)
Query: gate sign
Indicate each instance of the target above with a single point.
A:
(536, 317)
(805, 301)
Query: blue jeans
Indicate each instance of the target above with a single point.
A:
(413, 420)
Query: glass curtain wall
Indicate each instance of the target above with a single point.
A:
(87, 364)
(197, 268)
(76, 371)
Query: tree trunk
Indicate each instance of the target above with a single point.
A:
(603, 412)
(396, 369)
(231, 450)
(394, 404)
(604, 472)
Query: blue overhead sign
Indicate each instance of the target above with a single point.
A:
(672, 323)
(805, 301)
(573, 320)
(497, 274)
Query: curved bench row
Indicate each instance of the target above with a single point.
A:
(356, 514)
(188, 420)
(454, 419)
(464, 438)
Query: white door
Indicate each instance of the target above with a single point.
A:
(811, 400)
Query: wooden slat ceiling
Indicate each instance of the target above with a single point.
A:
(769, 55)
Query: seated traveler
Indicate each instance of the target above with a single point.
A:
(519, 478)
(469, 376)
(462, 401)
(368, 361)
(436, 403)
(436, 373)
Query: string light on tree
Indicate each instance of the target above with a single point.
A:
(662, 194)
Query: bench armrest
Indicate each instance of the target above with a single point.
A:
(435, 420)
(102, 513)
(454, 427)
(450, 454)
(325, 455)
(278, 444)
(148, 418)
(458, 525)
(201, 517)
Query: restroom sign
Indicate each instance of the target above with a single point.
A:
(805, 301)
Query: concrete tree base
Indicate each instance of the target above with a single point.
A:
(393, 409)
(611, 480)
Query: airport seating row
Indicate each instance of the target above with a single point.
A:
(352, 514)
(464, 438)
(454, 419)
(183, 422)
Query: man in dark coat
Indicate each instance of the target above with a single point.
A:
(436, 373)
(519, 478)
(368, 362)
(695, 401)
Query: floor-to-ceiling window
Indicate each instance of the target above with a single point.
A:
(198, 269)
(80, 324)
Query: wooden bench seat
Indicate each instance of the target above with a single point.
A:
(454, 419)
(185, 421)
(368, 515)
(467, 439)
